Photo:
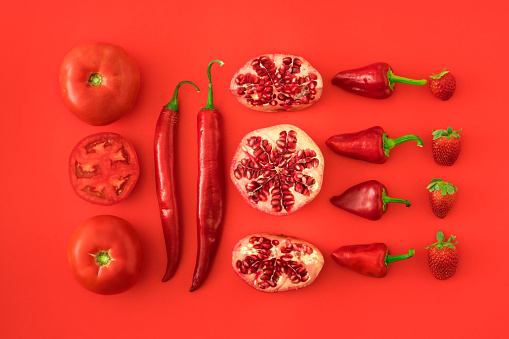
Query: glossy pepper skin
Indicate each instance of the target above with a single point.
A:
(166, 180)
(368, 259)
(210, 186)
(368, 200)
(372, 144)
(373, 81)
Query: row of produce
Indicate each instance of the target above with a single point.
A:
(277, 170)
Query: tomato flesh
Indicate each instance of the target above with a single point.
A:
(103, 168)
(105, 255)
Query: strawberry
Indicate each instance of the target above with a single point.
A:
(443, 257)
(446, 146)
(442, 85)
(441, 196)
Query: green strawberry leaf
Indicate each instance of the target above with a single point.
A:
(444, 187)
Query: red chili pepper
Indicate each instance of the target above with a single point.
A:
(166, 179)
(373, 81)
(370, 259)
(372, 144)
(368, 200)
(210, 186)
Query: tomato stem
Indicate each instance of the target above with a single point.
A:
(95, 79)
(210, 101)
(102, 258)
(173, 104)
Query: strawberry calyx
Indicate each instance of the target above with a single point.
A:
(441, 242)
(439, 75)
(448, 133)
(444, 187)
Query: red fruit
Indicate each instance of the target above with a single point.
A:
(442, 85)
(276, 263)
(443, 257)
(277, 82)
(441, 196)
(277, 169)
(446, 146)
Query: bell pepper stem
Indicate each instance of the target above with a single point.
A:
(390, 143)
(173, 104)
(392, 258)
(394, 79)
(386, 200)
(210, 100)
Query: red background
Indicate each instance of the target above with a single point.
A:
(174, 41)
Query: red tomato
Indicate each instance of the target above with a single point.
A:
(103, 168)
(105, 254)
(99, 82)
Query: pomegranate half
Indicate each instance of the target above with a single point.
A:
(275, 263)
(277, 82)
(277, 169)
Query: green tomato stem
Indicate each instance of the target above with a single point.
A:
(210, 100)
(173, 104)
(95, 80)
(102, 258)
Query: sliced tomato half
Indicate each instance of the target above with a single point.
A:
(104, 168)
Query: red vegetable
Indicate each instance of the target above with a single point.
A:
(373, 81)
(370, 259)
(210, 186)
(103, 168)
(105, 254)
(99, 82)
(166, 179)
(368, 200)
(372, 145)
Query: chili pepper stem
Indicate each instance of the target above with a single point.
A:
(392, 258)
(173, 104)
(210, 100)
(394, 79)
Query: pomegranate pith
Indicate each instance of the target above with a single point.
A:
(276, 263)
(277, 82)
(277, 169)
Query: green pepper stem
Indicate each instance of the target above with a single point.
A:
(394, 79)
(210, 100)
(390, 143)
(173, 104)
(387, 200)
(392, 258)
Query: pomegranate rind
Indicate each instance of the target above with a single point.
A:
(277, 85)
(263, 198)
(305, 257)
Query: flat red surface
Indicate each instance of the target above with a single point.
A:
(174, 41)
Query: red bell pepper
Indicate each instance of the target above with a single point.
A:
(372, 144)
(369, 259)
(373, 81)
(368, 200)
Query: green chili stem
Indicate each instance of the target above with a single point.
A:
(210, 100)
(173, 104)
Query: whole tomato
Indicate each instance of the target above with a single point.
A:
(105, 254)
(99, 82)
